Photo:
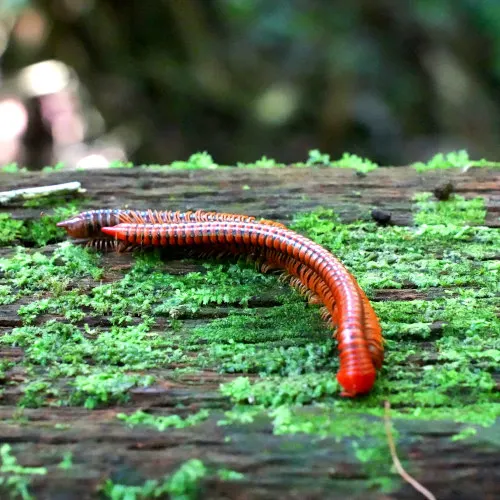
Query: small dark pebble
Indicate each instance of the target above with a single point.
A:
(444, 191)
(144, 184)
(381, 217)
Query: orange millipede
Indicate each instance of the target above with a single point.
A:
(357, 372)
(89, 224)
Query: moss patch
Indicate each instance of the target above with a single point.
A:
(38, 232)
(453, 159)
(160, 422)
(182, 484)
(14, 478)
(203, 160)
(456, 211)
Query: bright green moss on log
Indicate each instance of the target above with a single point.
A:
(37, 232)
(455, 211)
(286, 344)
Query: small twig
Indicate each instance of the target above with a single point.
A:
(395, 460)
(40, 191)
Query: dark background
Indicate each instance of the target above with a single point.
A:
(155, 81)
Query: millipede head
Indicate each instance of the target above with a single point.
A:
(75, 227)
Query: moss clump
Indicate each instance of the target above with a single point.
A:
(268, 359)
(274, 391)
(29, 272)
(160, 422)
(14, 478)
(11, 230)
(454, 159)
(12, 168)
(105, 388)
(96, 366)
(203, 160)
(363, 165)
(38, 232)
(423, 257)
(197, 161)
(182, 484)
(456, 211)
(263, 162)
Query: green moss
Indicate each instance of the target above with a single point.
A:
(465, 433)
(36, 394)
(359, 164)
(12, 168)
(67, 461)
(425, 257)
(120, 164)
(196, 161)
(101, 362)
(48, 202)
(263, 162)
(442, 352)
(147, 290)
(273, 391)
(348, 160)
(460, 326)
(456, 211)
(44, 230)
(10, 229)
(203, 160)
(230, 475)
(163, 422)
(39, 231)
(183, 484)
(454, 159)
(292, 320)
(240, 413)
(267, 359)
(104, 388)
(28, 272)
(336, 424)
(56, 168)
(14, 478)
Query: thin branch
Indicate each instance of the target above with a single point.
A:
(40, 192)
(395, 460)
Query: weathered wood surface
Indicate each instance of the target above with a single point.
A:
(274, 466)
(273, 193)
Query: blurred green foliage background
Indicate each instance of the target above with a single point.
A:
(393, 80)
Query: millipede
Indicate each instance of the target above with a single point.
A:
(357, 371)
(90, 225)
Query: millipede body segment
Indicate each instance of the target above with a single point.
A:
(357, 371)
